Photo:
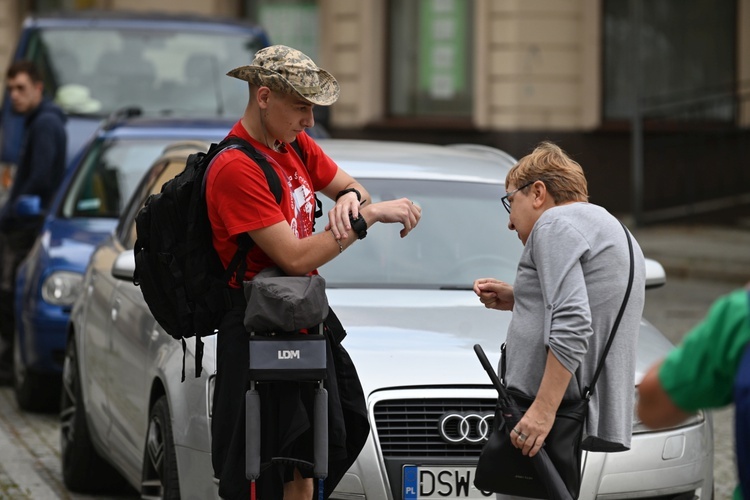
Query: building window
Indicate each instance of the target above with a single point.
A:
(288, 22)
(429, 60)
(46, 6)
(687, 58)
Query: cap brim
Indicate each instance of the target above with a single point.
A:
(263, 77)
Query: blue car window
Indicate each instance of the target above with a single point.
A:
(97, 71)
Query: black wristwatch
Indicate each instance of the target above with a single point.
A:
(349, 190)
(359, 225)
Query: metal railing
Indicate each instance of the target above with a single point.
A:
(691, 154)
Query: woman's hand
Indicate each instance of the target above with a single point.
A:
(495, 294)
(530, 432)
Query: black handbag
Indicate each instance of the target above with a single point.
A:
(502, 468)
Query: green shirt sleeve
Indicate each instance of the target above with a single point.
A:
(700, 372)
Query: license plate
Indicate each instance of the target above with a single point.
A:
(422, 481)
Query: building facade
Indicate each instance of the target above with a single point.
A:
(509, 73)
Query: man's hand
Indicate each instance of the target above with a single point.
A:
(655, 407)
(402, 211)
(338, 217)
(495, 294)
(6, 176)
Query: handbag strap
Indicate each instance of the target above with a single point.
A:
(590, 389)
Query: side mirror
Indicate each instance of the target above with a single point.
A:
(28, 205)
(124, 266)
(655, 274)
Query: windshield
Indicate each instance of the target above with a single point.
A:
(97, 71)
(463, 235)
(110, 172)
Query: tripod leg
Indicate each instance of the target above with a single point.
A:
(320, 436)
(252, 434)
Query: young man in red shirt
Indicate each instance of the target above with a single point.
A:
(284, 87)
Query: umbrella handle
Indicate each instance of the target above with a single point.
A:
(490, 371)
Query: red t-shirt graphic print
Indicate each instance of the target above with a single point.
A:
(239, 199)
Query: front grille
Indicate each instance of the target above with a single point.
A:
(409, 427)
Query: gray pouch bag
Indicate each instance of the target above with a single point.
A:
(277, 303)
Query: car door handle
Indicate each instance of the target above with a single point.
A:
(115, 309)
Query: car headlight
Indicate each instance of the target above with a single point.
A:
(639, 428)
(62, 287)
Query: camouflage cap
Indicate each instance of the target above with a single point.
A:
(288, 70)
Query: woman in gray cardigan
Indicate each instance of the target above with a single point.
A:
(569, 287)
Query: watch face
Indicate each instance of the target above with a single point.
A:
(359, 225)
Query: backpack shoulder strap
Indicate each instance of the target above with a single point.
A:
(238, 263)
(303, 157)
(274, 184)
(299, 151)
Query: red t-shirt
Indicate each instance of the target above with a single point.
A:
(239, 199)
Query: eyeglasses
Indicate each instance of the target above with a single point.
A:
(505, 199)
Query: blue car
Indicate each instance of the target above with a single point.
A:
(84, 212)
(97, 62)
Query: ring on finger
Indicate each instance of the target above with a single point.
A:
(522, 437)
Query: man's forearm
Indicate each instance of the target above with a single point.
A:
(655, 407)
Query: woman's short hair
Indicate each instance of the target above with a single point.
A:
(562, 176)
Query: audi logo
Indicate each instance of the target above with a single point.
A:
(465, 427)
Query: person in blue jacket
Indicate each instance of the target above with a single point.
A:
(40, 170)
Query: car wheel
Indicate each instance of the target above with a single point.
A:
(34, 391)
(160, 477)
(84, 470)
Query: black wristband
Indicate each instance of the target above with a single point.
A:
(359, 226)
(350, 190)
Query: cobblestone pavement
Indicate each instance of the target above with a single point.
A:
(30, 456)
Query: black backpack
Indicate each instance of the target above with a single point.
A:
(180, 274)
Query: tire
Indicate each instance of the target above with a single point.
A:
(84, 470)
(37, 392)
(160, 475)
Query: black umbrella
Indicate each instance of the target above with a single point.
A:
(545, 469)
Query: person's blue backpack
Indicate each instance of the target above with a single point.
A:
(742, 421)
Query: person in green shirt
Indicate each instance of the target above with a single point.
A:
(701, 371)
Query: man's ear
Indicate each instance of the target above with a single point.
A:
(262, 96)
(38, 95)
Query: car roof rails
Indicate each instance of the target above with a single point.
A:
(120, 115)
(188, 144)
(484, 150)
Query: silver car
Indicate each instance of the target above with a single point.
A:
(411, 319)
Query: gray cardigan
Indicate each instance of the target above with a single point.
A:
(569, 287)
